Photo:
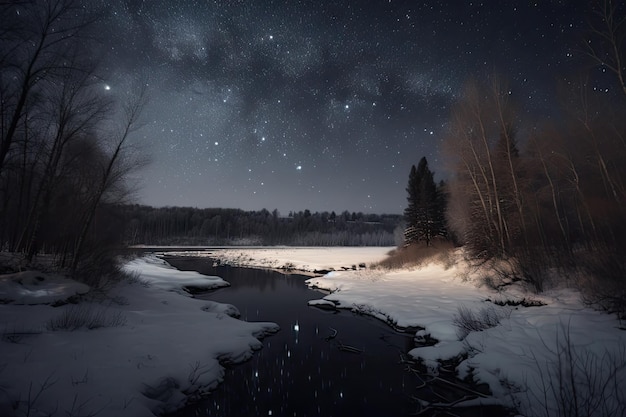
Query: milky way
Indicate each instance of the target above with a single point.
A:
(318, 104)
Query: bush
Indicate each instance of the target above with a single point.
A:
(78, 316)
(604, 280)
(134, 278)
(531, 267)
(468, 321)
(100, 270)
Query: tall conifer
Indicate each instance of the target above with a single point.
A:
(425, 212)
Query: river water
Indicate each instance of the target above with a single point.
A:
(303, 370)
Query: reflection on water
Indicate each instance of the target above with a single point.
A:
(302, 370)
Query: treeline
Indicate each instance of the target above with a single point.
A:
(215, 226)
(64, 152)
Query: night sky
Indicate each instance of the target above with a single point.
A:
(320, 105)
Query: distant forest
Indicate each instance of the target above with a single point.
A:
(219, 226)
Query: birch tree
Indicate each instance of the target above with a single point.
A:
(486, 199)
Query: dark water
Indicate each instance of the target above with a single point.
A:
(301, 371)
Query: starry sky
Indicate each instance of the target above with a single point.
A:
(318, 104)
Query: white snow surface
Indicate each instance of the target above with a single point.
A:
(162, 275)
(518, 359)
(302, 259)
(32, 287)
(165, 349)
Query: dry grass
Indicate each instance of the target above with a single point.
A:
(85, 316)
(468, 321)
(417, 255)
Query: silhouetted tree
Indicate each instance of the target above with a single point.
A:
(60, 164)
(424, 213)
(39, 40)
(112, 172)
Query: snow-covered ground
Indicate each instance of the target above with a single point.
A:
(158, 346)
(530, 359)
(302, 259)
(162, 346)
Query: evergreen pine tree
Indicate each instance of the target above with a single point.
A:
(425, 210)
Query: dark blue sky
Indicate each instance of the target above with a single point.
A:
(320, 104)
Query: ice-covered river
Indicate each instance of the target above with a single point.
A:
(303, 370)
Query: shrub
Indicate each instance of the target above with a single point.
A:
(134, 278)
(78, 316)
(603, 280)
(468, 321)
(100, 272)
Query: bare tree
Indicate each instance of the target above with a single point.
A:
(60, 163)
(480, 121)
(508, 165)
(34, 44)
(114, 169)
(74, 110)
(605, 45)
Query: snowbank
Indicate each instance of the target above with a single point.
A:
(31, 287)
(156, 272)
(159, 350)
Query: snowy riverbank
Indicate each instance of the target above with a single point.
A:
(151, 348)
(527, 358)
